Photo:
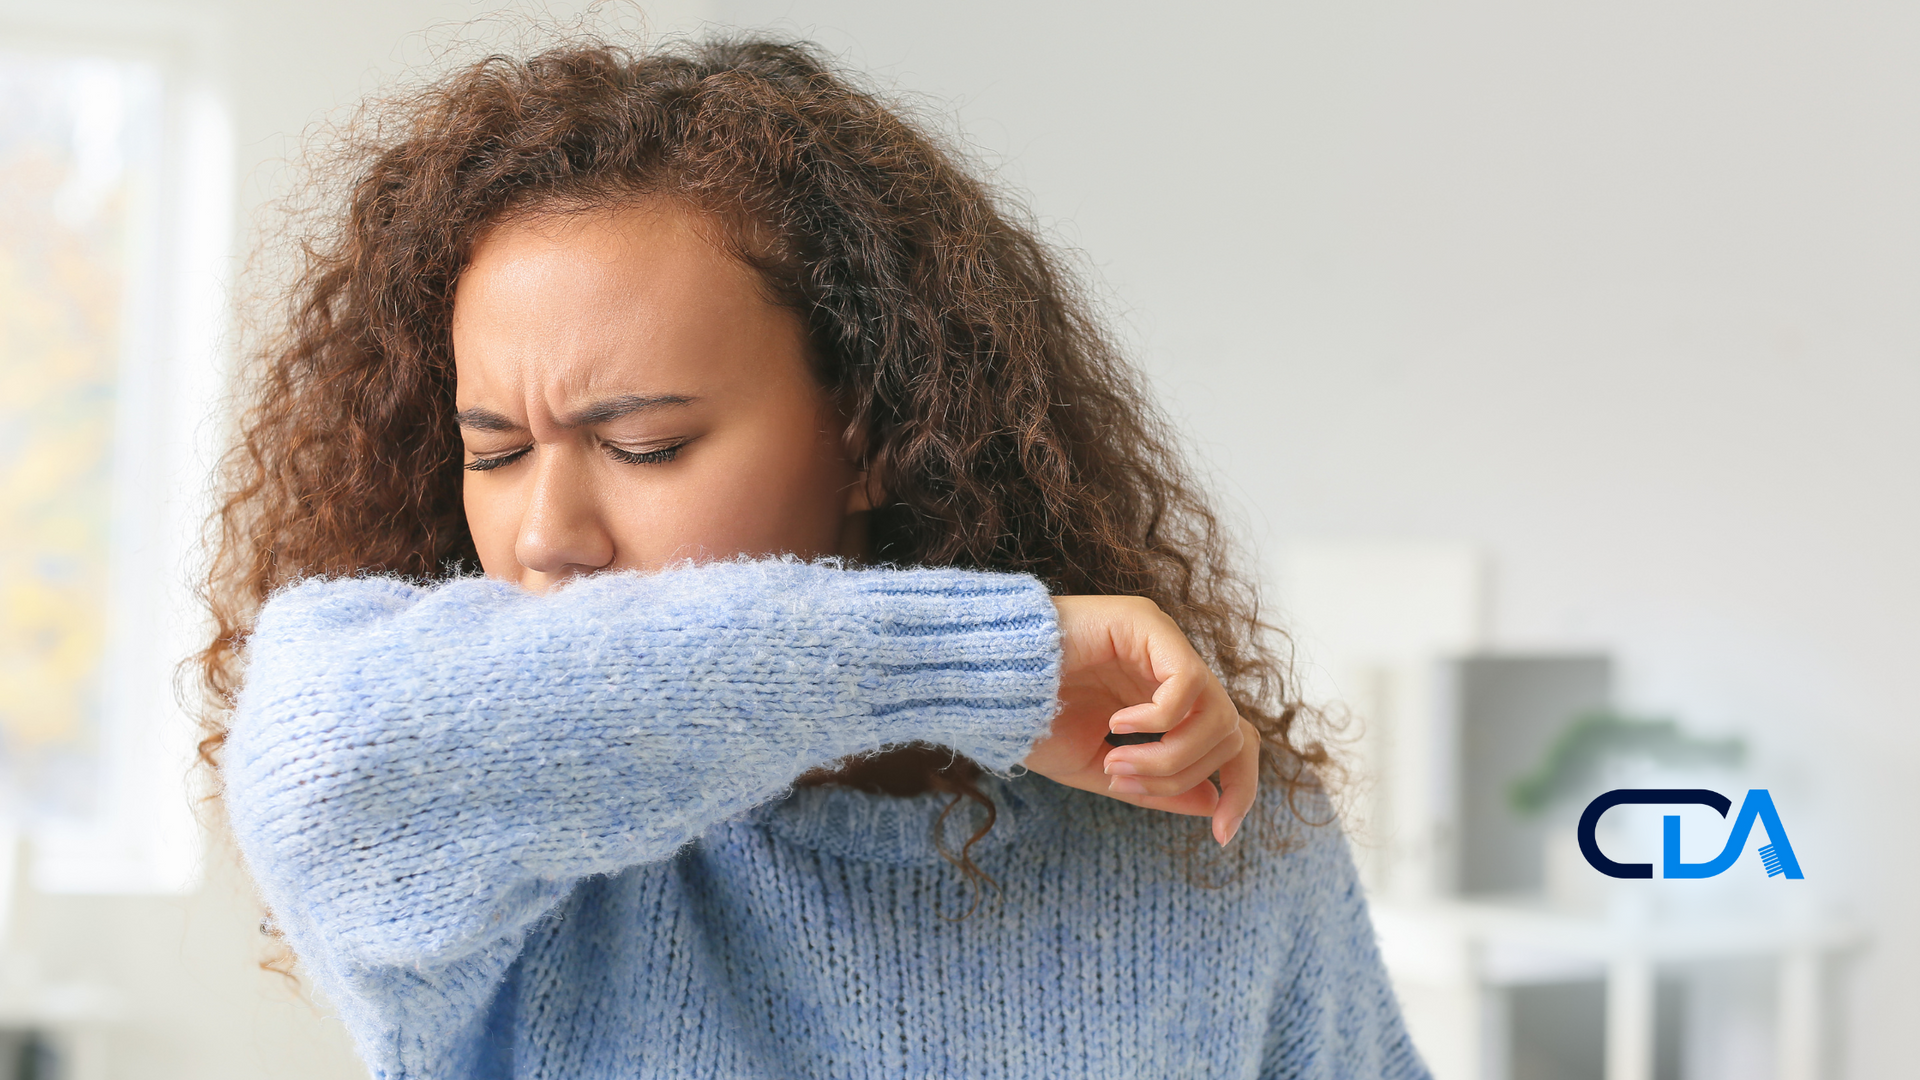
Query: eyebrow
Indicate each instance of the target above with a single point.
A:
(600, 412)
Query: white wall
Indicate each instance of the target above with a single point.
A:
(1621, 292)
(1624, 293)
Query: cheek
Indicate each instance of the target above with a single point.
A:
(493, 511)
(772, 489)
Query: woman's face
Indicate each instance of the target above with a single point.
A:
(629, 398)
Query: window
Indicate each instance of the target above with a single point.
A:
(114, 200)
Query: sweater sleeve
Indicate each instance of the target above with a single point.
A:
(415, 775)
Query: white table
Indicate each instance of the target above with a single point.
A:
(1452, 959)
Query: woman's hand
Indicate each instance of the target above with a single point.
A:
(1124, 668)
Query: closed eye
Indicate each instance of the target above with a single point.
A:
(643, 457)
(487, 464)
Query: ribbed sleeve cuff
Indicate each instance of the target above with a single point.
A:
(963, 659)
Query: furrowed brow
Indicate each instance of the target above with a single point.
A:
(605, 412)
(600, 412)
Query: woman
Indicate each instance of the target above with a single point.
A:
(839, 685)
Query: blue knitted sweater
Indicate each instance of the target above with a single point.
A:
(556, 836)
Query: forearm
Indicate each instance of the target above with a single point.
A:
(422, 772)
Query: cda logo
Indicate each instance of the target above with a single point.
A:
(1776, 855)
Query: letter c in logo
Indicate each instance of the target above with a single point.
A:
(1591, 819)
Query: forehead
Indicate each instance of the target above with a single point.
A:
(613, 301)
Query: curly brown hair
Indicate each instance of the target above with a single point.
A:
(998, 417)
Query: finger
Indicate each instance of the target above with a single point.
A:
(1211, 762)
(1213, 721)
(1172, 700)
(1202, 800)
(1239, 786)
(1175, 669)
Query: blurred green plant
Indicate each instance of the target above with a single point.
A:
(1595, 739)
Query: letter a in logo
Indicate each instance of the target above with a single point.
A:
(1776, 855)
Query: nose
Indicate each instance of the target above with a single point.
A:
(562, 533)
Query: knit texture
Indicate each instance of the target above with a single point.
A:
(520, 836)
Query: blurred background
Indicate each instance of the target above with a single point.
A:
(1559, 364)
